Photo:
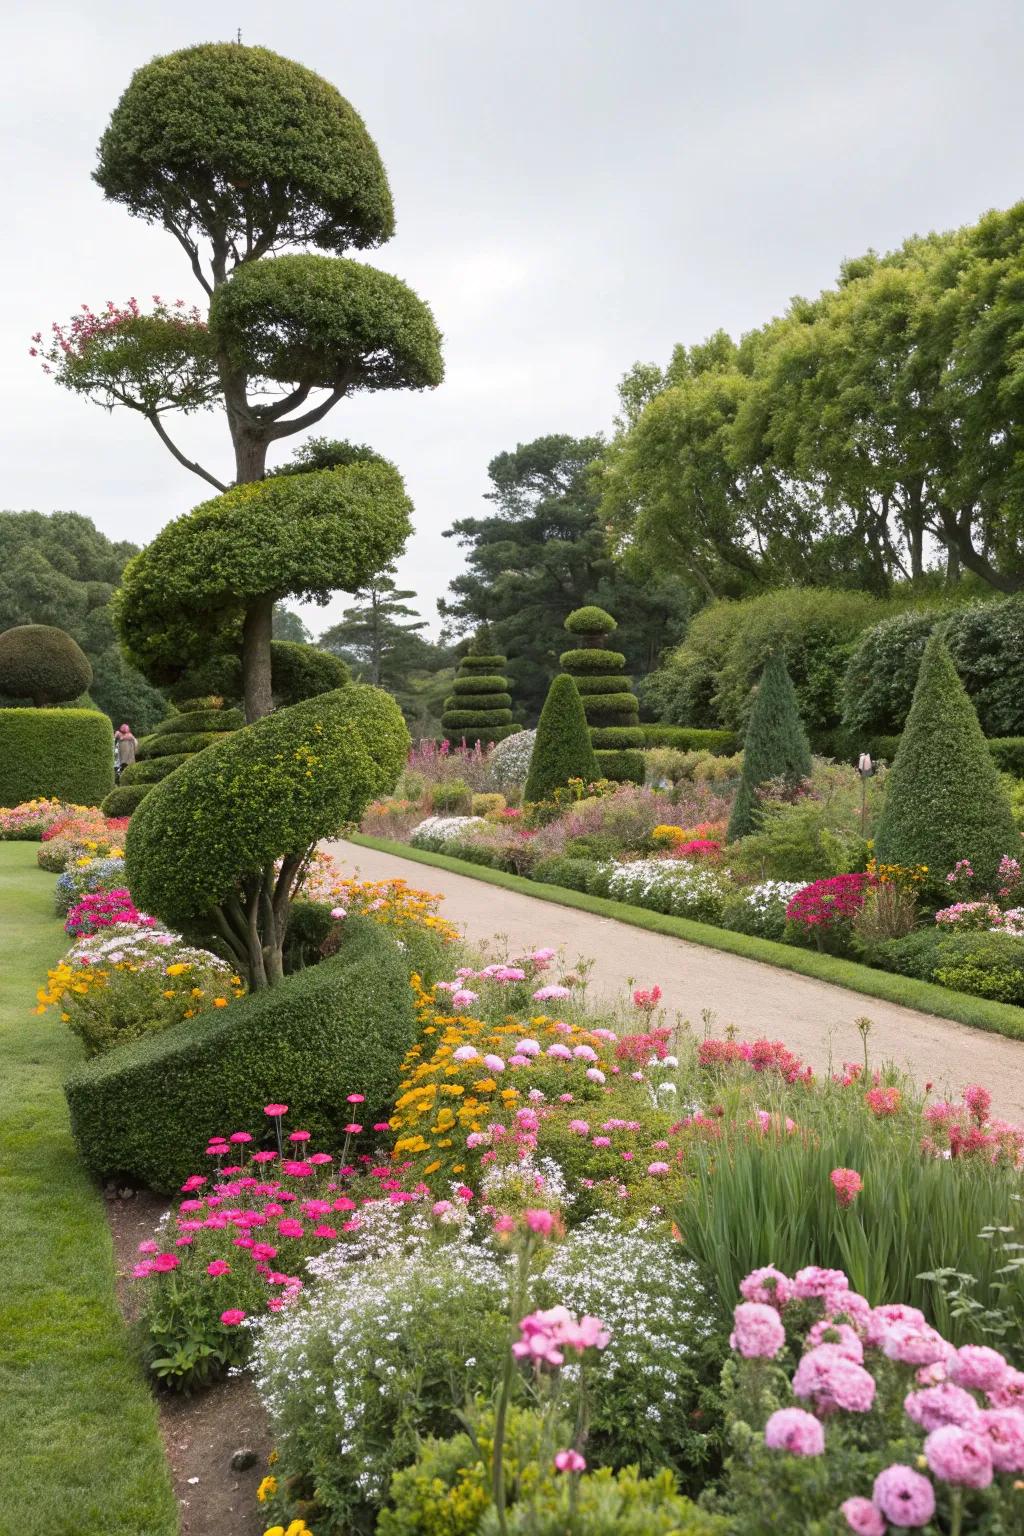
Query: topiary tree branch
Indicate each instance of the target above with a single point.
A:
(153, 418)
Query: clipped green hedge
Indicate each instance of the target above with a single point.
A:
(616, 738)
(594, 683)
(483, 682)
(688, 738)
(600, 661)
(68, 753)
(146, 1111)
(475, 719)
(482, 664)
(475, 702)
(151, 770)
(598, 705)
(163, 746)
(1008, 751)
(124, 798)
(623, 766)
(200, 720)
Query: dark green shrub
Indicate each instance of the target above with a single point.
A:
(775, 745)
(480, 705)
(591, 683)
(691, 739)
(68, 753)
(915, 955)
(882, 672)
(590, 621)
(982, 964)
(944, 800)
(562, 750)
(145, 1112)
(482, 664)
(483, 682)
(571, 874)
(44, 664)
(599, 662)
(614, 737)
(203, 844)
(623, 766)
(608, 702)
(198, 721)
(451, 796)
(1008, 752)
(473, 704)
(472, 724)
(124, 798)
(740, 916)
(299, 672)
(173, 746)
(153, 769)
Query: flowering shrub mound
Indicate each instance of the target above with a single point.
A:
(759, 1055)
(828, 904)
(84, 876)
(667, 885)
(882, 1422)
(105, 909)
(27, 822)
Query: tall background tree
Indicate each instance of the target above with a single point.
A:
(544, 551)
(256, 167)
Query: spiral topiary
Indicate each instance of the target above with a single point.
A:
(479, 707)
(612, 708)
(173, 742)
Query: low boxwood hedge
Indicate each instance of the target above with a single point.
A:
(599, 706)
(145, 1112)
(151, 770)
(194, 720)
(164, 746)
(611, 738)
(68, 753)
(623, 766)
(692, 739)
(123, 799)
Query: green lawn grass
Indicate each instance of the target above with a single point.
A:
(925, 996)
(80, 1448)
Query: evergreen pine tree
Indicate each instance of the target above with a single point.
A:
(775, 745)
(944, 800)
(562, 749)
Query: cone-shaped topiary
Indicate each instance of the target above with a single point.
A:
(562, 749)
(611, 707)
(42, 663)
(774, 747)
(944, 800)
(479, 707)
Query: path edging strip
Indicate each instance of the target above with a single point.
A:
(905, 991)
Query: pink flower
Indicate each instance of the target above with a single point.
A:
(165, 1262)
(540, 1221)
(863, 1518)
(584, 1053)
(463, 997)
(552, 993)
(1010, 1391)
(904, 1496)
(195, 1182)
(528, 1048)
(840, 1335)
(847, 1184)
(149, 1246)
(352, 1129)
(814, 1281)
(290, 1228)
(1004, 1430)
(758, 1333)
(494, 1063)
(240, 1136)
(465, 1053)
(595, 1075)
(218, 1267)
(962, 1456)
(768, 1285)
(793, 1430)
(657, 1168)
(914, 1344)
(232, 1317)
(579, 1127)
(943, 1404)
(559, 1052)
(883, 1317)
(338, 912)
(569, 1461)
(831, 1379)
(977, 1367)
(299, 1136)
(505, 1225)
(275, 1109)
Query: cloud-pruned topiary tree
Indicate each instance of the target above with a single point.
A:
(775, 745)
(562, 749)
(943, 799)
(42, 663)
(218, 846)
(243, 156)
(479, 707)
(612, 708)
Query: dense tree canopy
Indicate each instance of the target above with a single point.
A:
(542, 552)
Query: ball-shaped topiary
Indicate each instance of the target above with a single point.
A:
(300, 672)
(944, 800)
(608, 700)
(44, 664)
(775, 746)
(562, 749)
(479, 707)
(202, 847)
(261, 147)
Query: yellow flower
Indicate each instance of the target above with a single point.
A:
(220, 1002)
(266, 1489)
(176, 969)
(169, 993)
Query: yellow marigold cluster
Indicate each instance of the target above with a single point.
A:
(66, 984)
(667, 836)
(441, 1100)
(906, 877)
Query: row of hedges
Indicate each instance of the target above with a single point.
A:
(1008, 751)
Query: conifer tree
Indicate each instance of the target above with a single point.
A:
(562, 749)
(774, 747)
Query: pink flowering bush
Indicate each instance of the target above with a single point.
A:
(864, 1419)
(104, 909)
(828, 907)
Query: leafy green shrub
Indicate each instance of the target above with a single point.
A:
(480, 705)
(486, 804)
(124, 799)
(198, 721)
(204, 843)
(147, 1111)
(983, 964)
(775, 745)
(817, 835)
(597, 661)
(601, 707)
(573, 874)
(64, 753)
(882, 673)
(173, 745)
(151, 770)
(299, 672)
(562, 749)
(471, 682)
(690, 739)
(605, 706)
(475, 721)
(451, 795)
(623, 766)
(595, 682)
(944, 800)
(1008, 752)
(590, 620)
(44, 664)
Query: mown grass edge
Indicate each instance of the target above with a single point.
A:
(924, 996)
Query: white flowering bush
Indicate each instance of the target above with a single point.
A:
(437, 833)
(761, 909)
(671, 885)
(646, 1391)
(509, 764)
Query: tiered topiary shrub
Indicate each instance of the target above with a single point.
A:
(479, 708)
(62, 753)
(611, 706)
(562, 749)
(172, 743)
(944, 801)
(775, 745)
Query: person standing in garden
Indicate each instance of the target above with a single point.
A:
(124, 748)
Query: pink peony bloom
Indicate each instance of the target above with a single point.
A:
(584, 1053)
(863, 1518)
(961, 1456)
(232, 1317)
(832, 1380)
(595, 1075)
(465, 1053)
(904, 1496)
(769, 1286)
(494, 1063)
(657, 1168)
(814, 1281)
(579, 1127)
(757, 1333)
(559, 1052)
(1004, 1430)
(1010, 1391)
(914, 1344)
(976, 1367)
(795, 1431)
(164, 1263)
(943, 1404)
(551, 994)
(569, 1461)
(290, 1228)
(882, 1318)
(528, 1048)
(851, 1305)
(338, 912)
(840, 1335)
(463, 998)
(352, 1129)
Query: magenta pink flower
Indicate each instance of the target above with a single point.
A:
(904, 1496)
(883, 1317)
(813, 1281)
(795, 1431)
(165, 1262)
(1010, 1391)
(769, 1286)
(757, 1332)
(961, 1456)
(1004, 1430)
(847, 1184)
(275, 1109)
(841, 1335)
(914, 1344)
(977, 1367)
(232, 1317)
(569, 1461)
(933, 1407)
(657, 1168)
(540, 1221)
(863, 1518)
(218, 1267)
(290, 1228)
(832, 1380)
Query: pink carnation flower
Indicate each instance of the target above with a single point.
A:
(841, 1335)
(882, 1317)
(904, 1496)
(944, 1404)
(814, 1281)
(1004, 1430)
(976, 1367)
(832, 1380)
(863, 1518)
(795, 1431)
(758, 1334)
(914, 1344)
(769, 1286)
(232, 1317)
(1010, 1391)
(962, 1456)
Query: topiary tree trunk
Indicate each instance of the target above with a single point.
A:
(610, 705)
(944, 800)
(562, 749)
(774, 747)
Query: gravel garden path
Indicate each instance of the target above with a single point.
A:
(813, 1018)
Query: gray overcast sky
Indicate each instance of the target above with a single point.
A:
(578, 184)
